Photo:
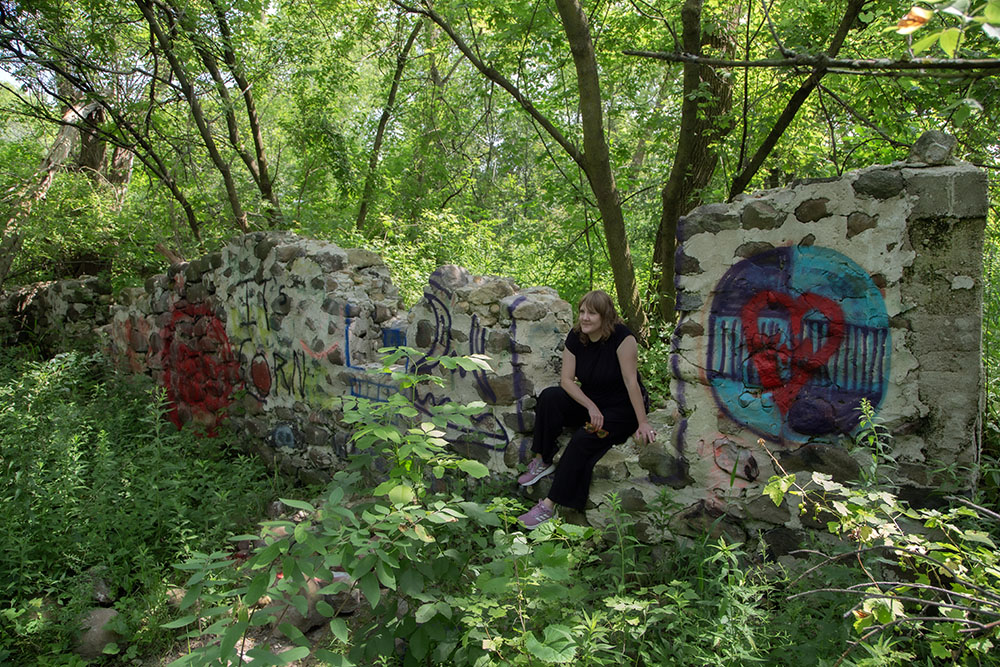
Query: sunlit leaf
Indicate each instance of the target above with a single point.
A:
(949, 41)
(473, 468)
(925, 43)
(401, 494)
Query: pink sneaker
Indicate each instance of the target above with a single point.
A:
(537, 515)
(537, 469)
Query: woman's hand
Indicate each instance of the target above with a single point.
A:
(645, 434)
(596, 417)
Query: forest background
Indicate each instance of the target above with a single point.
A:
(554, 142)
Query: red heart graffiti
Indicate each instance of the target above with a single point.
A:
(768, 353)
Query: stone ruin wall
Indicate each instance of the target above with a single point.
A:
(795, 304)
(56, 315)
(274, 330)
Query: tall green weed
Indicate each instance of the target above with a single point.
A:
(94, 482)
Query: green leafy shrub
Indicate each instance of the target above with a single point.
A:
(452, 581)
(95, 482)
(928, 583)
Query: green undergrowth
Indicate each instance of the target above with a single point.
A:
(96, 485)
(448, 576)
(989, 475)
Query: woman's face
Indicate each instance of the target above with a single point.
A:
(590, 322)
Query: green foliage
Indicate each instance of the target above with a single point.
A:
(654, 365)
(929, 578)
(989, 472)
(94, 482)
(446, 580)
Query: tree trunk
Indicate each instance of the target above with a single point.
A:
(92, 145)
(594, 161)
(63, 146)
(162, 37)
(695, 158)
(367, 193)
(258, 167)
(597, 164)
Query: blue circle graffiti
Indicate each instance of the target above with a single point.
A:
(797, 337)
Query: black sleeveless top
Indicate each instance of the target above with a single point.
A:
(600, 373)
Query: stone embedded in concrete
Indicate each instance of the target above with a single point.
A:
(858, 222)
(752, 248)
(450, 277)
(489, 291)
(761, 215)
(931, 201)
(933, 147)
(362, 259)
(689, 327)
(633, 501)
(970, 190)
(688, 301)
(711, 218)
(287, 253)
(664, 468)
(686, 265)
(831, 460)
(879, 183)
(813, 210)
(762, 508)
(263, 248)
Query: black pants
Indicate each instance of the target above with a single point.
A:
(557, 410)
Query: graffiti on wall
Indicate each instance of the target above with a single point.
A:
(797, 338)
(440, 341)
(485, 430)
(269, 368)
(200, 370)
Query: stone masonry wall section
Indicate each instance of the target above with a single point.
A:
(800, 304)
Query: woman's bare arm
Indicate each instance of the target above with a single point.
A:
(628, 359)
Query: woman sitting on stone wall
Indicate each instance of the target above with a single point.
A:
(600, 395)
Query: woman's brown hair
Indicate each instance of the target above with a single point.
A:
(599, 302)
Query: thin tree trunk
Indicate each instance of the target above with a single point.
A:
(597, 161)
(594, 161)
(262, 174)
(367, 193)
(92, 145)
(694, 160)
(191, 95)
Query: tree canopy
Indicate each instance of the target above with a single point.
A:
(555, 142)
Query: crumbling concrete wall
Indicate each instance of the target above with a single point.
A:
(800, 304)
(796, 306)
(274, 330)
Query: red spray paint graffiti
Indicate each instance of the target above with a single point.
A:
(199, 368)
(799, 355)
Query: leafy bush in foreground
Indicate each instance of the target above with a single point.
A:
(96, 484)
(452, 581)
